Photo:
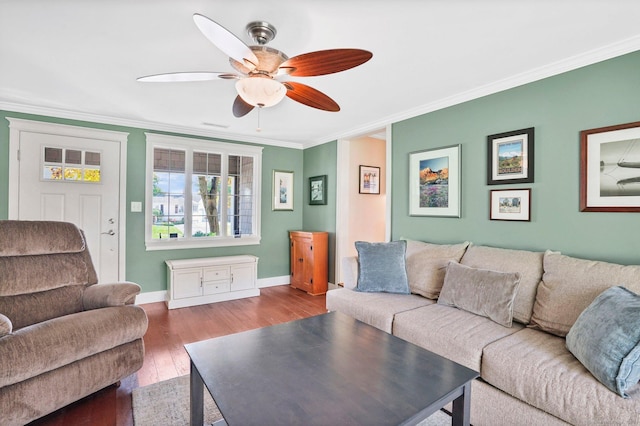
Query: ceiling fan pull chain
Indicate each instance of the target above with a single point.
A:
(259, 129)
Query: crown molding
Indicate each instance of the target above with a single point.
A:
(591, 57)
(140, 124)
(568, 64)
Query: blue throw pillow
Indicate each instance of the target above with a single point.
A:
(381, 267)
(606, 339)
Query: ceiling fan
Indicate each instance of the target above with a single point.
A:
(259, 68)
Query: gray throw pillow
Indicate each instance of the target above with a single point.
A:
(381, 267)
(481, 291)
(606, 339)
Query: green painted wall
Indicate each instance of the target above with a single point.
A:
(559, 107)
(322, 160)
(147, 268)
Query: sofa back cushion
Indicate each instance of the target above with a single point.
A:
(569, 285)
(527, 263)
(427, 265)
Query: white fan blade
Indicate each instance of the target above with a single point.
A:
(226, 41)
(186, 76)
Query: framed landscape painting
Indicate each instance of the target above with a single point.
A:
(510, 157)
(610, 169)
(434, 182)
(282, 190)
(510, 204)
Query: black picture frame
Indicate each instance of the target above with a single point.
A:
(369, 182)
(510, 157)
(318, 190)
(510, 204)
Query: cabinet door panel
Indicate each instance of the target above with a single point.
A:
(187, 283)
(242, 277)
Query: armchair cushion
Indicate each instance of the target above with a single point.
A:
(114, 294)
(5, 326)
(30, 238)
(43, 347)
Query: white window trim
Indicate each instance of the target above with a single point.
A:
(189, 145)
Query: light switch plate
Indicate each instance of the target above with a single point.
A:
(136, 206)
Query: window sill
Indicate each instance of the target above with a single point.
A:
(177, 244)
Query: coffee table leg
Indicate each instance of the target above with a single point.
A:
(196, 397)
(462, 407)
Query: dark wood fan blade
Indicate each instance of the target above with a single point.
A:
(325, 62)
(226, 41)
(185, 76)
(241, 108)
(311, 97)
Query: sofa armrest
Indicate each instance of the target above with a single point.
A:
(112, 294)
(6, 327)
(350, 272)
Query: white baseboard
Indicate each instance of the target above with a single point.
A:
(151, 297)
(274, 281)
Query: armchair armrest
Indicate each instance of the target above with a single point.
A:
(112, 294)
(350, 272)
(5, 326)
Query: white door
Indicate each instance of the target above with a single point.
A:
(71, 174)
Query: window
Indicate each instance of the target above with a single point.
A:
(70, 165)
(201, 193)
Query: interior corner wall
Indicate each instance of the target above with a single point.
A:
(147, 268)
(558, 107)
(321, 160)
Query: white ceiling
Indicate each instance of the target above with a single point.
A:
(80, 58)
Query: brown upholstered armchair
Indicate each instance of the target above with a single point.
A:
(62, 336)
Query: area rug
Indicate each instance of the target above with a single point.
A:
(166, 403)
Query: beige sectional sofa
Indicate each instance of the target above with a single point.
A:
(528, 376)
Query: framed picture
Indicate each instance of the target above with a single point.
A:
(610, 169)
(282, 190)
(434, 182)
(369, 180)
(510, 157)
(318, 190)
(510, 204)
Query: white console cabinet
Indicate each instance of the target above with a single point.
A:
(212, 279)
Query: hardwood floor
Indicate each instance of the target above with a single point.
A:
(165, 356)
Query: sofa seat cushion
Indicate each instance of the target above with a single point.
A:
(537, 368)
(45, 346)
(450, 332)
(376, 309)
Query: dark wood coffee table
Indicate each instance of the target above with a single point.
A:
(325, 370)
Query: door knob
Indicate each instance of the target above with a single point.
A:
(109, 232)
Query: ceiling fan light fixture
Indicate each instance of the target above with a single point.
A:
(261, 91)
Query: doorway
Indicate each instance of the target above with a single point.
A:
(362, 217)
(72, 174)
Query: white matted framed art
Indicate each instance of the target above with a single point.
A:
(610, 169)
(434, 182)
(282, 190)
(510, 157)
(510, 204)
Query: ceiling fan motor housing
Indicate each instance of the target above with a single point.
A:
(261, 32)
